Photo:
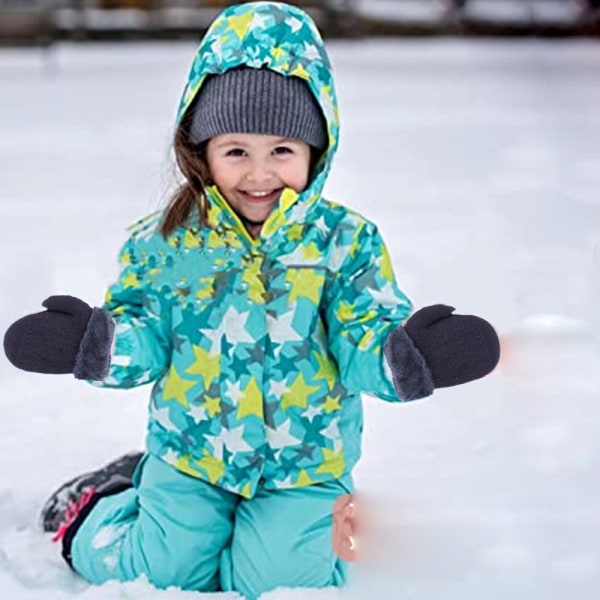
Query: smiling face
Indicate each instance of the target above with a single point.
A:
(252, 170)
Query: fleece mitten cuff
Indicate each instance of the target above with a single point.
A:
(436, 348)
(69, 337)
(410, 374)
(93, 357)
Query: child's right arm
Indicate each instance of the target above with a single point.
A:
(141, 348)
(123, 344)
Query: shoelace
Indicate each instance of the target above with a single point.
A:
(74, 507)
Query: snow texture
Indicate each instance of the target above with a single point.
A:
(479, 162)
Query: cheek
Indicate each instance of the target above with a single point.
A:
(224, 177)
(297, 176)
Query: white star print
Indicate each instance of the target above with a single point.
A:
(385, 295)
(297, 258)
(283, 483)
(332, 431)
(298, 212)
(198, 413)
(280, 328)
(311, 412)
(281, 437)
(337, 257)
(234, 390)
(294, 24)
(233, 440)
(321, 225)
(170, 457)
(327, 104)
(278, 388)
(217, 444)
(311, 51)
(161, 415)
(231, 324)
(217, 47)
(258, 22)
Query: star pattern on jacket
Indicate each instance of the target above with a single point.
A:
(258, 348)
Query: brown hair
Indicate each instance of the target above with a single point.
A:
(192, 163)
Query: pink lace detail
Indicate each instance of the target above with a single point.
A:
(72, 512)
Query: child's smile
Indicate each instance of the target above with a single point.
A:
(252, 170)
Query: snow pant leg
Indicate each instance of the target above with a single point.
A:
(170, 527)
(283, 538)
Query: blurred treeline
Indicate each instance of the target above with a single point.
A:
(44, 21)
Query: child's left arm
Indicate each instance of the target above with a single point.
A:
(379, 354)
(363, 304)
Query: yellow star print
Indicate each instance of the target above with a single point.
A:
(298, 393)
(126, 258)
(251, 403)
(345, 311)
(176, 387)
(311, 251)
(240, 24)
(207, 289)
(277, 52)
(366, 340)
(305, 282)
(387, 270)
(300, 71)
(130, 280)
(205, 365)
(251, 276)
(332, 404)
(190, 240)
(303, 479)
(215, 469)
(246, 491)
(295, 232)
(334, 463)
(213, 405)
(327, 369)
(183, 464)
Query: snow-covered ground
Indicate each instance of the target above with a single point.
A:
(479, 161)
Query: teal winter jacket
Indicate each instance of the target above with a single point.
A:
(258, 349)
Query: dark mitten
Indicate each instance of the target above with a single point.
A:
(438, 349)
(69, 337)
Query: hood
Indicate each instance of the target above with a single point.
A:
(285, 39)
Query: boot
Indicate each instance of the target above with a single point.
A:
(66, 503)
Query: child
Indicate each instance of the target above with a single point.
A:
(260, 311)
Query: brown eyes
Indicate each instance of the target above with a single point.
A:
(235, 152)
(279, 150)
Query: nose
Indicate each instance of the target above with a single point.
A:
(259, 172)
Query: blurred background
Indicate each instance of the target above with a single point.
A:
(470, 134)
(44, 21)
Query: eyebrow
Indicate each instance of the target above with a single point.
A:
(240, 143)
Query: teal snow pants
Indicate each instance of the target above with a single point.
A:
(184, 532)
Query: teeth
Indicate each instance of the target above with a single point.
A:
(260, 194)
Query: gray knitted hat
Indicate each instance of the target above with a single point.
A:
(248, 100)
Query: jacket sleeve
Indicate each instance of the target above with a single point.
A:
(363, 305)
(141, 347)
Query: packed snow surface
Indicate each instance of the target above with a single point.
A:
(479, 162)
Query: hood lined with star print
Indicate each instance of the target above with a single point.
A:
(284, 39)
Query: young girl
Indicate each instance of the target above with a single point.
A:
(260, 311)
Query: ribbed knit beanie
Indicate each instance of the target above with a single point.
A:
(247, 100)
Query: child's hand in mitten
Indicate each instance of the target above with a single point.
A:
(69, 337)
(438, 349)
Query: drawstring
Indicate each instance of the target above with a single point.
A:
(72, 512)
